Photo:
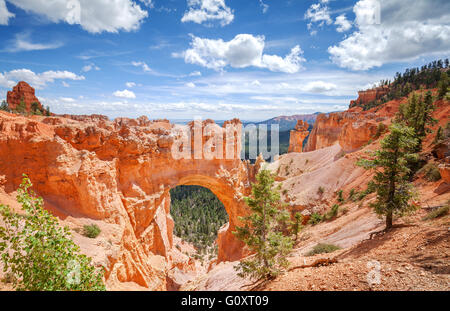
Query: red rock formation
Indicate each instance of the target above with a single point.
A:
(121, 174)
(352, 129)
(22, 92)
(368, 96)
(297, 136)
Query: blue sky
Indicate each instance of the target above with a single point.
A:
(218, 59)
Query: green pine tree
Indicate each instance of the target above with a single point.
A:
(21, 108)
(4, 106)
(391, 181)
(417, 114)
(297, 225)
(443, 85)
(263, 231)
(439, 136)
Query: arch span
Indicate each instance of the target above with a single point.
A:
(119, 174)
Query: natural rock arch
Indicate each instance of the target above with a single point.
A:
(120, 173)
(230, 248)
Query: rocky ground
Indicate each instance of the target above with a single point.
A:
(415, 255)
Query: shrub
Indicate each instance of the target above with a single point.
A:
(320, 190)
(361, 195)
(315, 219)
(431, 172)
(340, 196)
(381, 129)
(91, 231)
(442, 211)
(9, 278)
(351, 195)
(39, 253)
(332, 213)
(322, 248)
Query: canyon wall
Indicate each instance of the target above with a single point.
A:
(352, 128)
(367, 96)
(121, 173)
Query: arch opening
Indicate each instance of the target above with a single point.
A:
(198, 214)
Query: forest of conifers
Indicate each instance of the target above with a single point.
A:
(198, 215)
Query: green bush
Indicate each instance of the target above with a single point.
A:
(322, 248)
(431, 172)
(315, 219)
(321, 190)
(381, 129)
(39, 254)
(340, 196)
(332, 213)
(91, 231)
(442, 211)
(351, 195)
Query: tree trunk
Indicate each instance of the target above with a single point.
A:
(388, 221)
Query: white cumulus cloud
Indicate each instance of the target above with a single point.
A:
(394, 30)
(95, 16)
(318, 13)
(343, 23)
(242, 51)
(36, 80)
(124, 94)
(5, 15)
(200, 11)
(130, 84)
(319, 87)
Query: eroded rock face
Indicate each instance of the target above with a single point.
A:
(22, 92)
(365, 97)
(297, 136)
(352, 129)
(121, 172)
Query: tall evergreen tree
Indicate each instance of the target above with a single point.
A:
(443, 85)
(417, 114)
(391, 181)
(263, 231)
(4, 106)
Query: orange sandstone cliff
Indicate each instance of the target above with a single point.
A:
(367, 96)
(119, 173)
(297, 136)
(352, 129)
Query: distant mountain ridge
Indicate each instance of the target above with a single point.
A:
(288, 122)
